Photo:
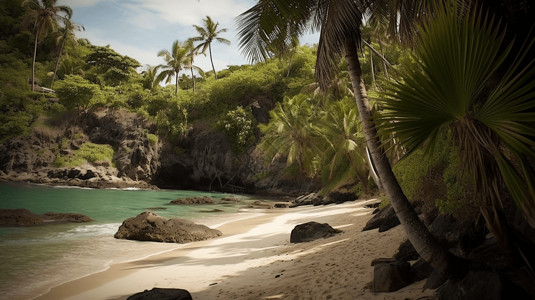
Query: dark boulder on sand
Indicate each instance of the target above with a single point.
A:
(148, 226)
(162, 294)
(311, 231)
(24, 217)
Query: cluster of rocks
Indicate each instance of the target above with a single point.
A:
(337, 196)
(465, 239)
(24, 217)
(148, 226)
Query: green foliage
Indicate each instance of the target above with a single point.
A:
(109, 67)
(289, 133)
(239, 125)
(153, 139)
(88, 152)
(76, 92)
(459, 83)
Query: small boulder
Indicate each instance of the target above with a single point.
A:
(162, 294)
(389, 277)
(307, 199)
(311, 231)
(384, 220)
(193, 200)
(148, 226)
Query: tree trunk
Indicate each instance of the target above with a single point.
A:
(176, 83)
(33, 62)
(372, 68)
(57, 62)
(384, 63)
(211, 60)
(420, 237)
(193, 77)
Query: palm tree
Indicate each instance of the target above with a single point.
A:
(455, 87)
(340, 131)
(151, 78)
(207, 35)
(289, 133)
(339, 23)
(175, 60)
(67, 32)
(193, 51)
(44, 15)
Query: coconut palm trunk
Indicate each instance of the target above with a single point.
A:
(211, 60)
(176, 83)
(193, 78)
(425, 244)
(34, 56)
(57, 63)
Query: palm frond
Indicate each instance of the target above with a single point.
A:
(341, 22)
(272, 25)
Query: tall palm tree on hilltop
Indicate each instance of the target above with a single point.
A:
(207, 35)
(175, 60)
(44, 14)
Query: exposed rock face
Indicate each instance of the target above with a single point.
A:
(312, 231)
(202, 160)
(162, 294)
(148, 226)
(31, 158)
(193, 200)
(23, 217)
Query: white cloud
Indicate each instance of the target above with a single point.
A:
(191, 12)
(79, 3)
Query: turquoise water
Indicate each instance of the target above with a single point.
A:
(37, 258)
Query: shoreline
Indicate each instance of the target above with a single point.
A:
(254, 260)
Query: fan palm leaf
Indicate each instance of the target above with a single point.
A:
(459, 57)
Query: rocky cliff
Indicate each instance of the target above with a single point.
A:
(203, 160)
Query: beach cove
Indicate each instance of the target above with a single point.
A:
(254, 260)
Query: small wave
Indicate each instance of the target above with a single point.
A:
(92, 230)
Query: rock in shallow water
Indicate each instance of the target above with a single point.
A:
(148, 226)
(24, 217)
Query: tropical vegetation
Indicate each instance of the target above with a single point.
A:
(438, 110)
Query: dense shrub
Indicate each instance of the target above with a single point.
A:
(88, 152)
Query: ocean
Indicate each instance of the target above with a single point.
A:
(37, 258)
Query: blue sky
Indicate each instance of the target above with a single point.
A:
(141, 28)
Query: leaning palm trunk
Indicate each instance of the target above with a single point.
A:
(419, 236)
(57, 62)
(212, 60)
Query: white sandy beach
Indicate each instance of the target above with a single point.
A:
(255, 260)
